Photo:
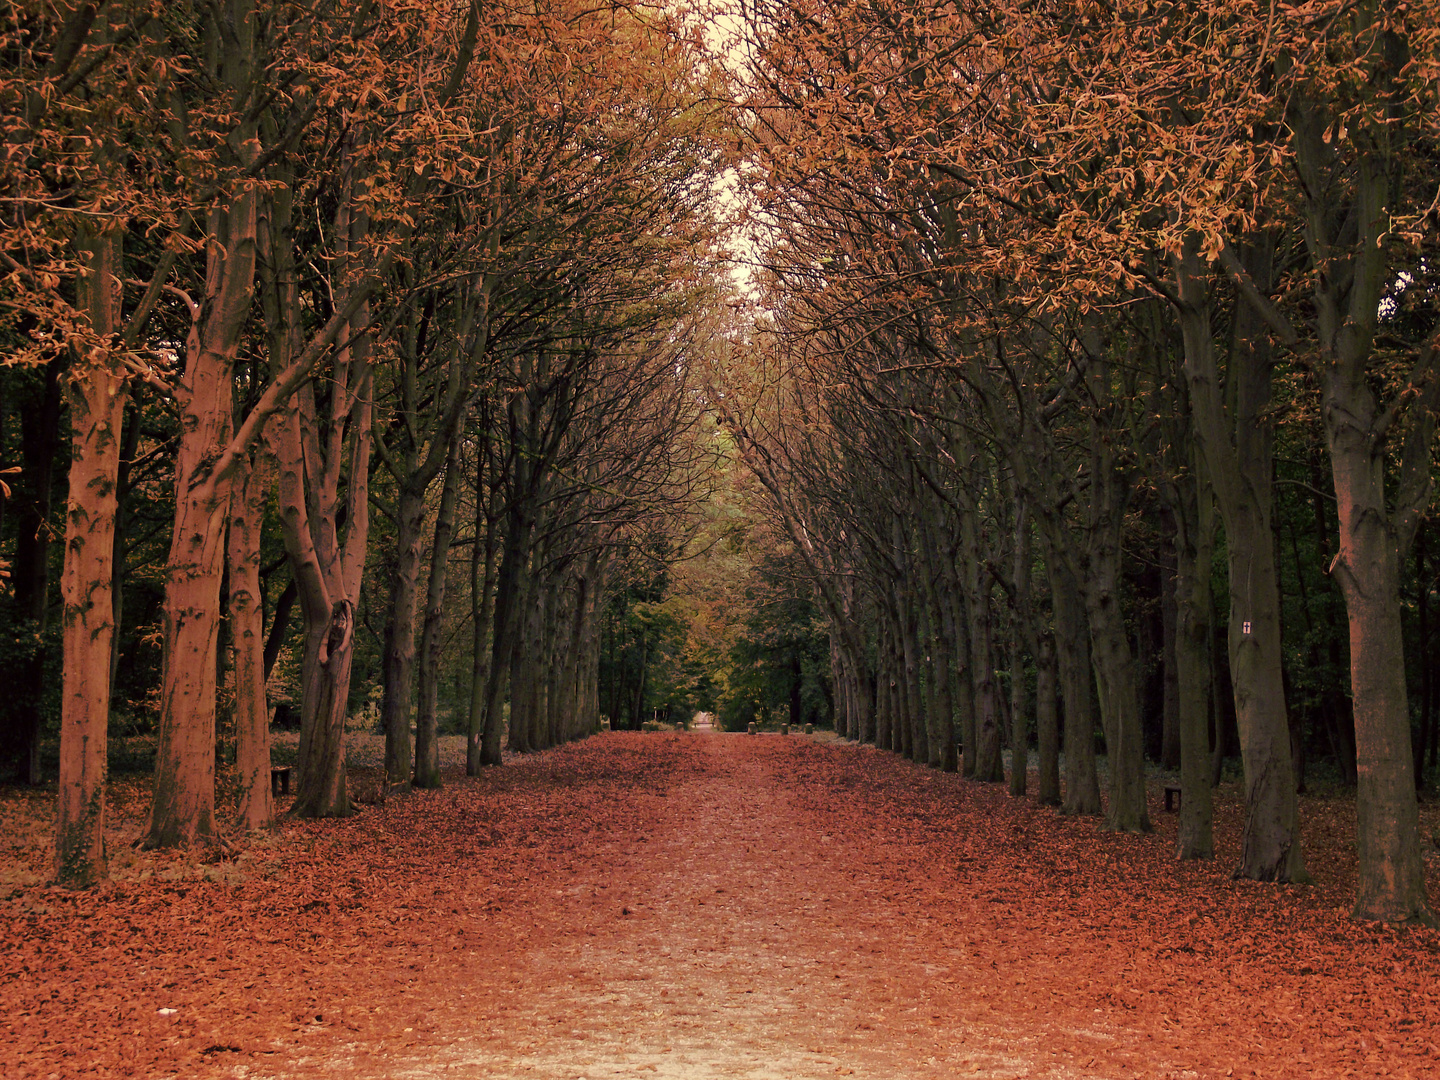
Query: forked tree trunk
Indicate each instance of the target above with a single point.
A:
(1236, 442)
(1377, 526)
(247, 627)
(323, 458)
(97, 408)
(183, 810)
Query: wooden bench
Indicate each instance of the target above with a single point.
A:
(1172, 797)
(279, 780)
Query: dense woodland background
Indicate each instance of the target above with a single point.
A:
(387, 365)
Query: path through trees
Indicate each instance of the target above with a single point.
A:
(713, 905)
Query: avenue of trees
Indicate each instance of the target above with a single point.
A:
(1096, 388)
(382, 359)
(324, 325)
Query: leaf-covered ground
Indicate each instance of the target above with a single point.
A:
(704, 905)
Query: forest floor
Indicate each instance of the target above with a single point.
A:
(707, 905)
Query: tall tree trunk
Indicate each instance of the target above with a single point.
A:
(1237, 445)
(1194, 550)
(917, 746)
(509, 609)
(1047, 723)
(1024, 632)
(1376, 526)
(484, 569)
(942, 662)
(986, 746)
(1110, 652)
(989, 767)
(1115, 680)
(183, 810)
(323, 457)
(427, 743)
(123, 490)
(252, 715)
(883, 678)
(1019, 722)
(1170, 686)
(97, 409)
(1072, 661)
(399, 660)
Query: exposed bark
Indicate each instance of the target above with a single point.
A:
(1023, 634)
(484, 572)
(1112, 658)
(1047, 724)
(1376, 526)
(883, 680)
(1236, 442)
(97, 407)
(1194, 550)
(183, 810)
(322, 450)
(399, 643)
(279, 625)
(252, 715)
(917, 743)
(942, 658)
(428, 430)
(989, 767)
(1170, 684)
(1072, 661)
(427, 745)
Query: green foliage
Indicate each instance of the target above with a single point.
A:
(780, 660)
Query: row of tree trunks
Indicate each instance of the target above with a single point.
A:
(554, 693)
(1236, 443)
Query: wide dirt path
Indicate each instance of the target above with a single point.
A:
(707, 905)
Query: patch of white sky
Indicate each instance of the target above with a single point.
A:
(725, 33)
